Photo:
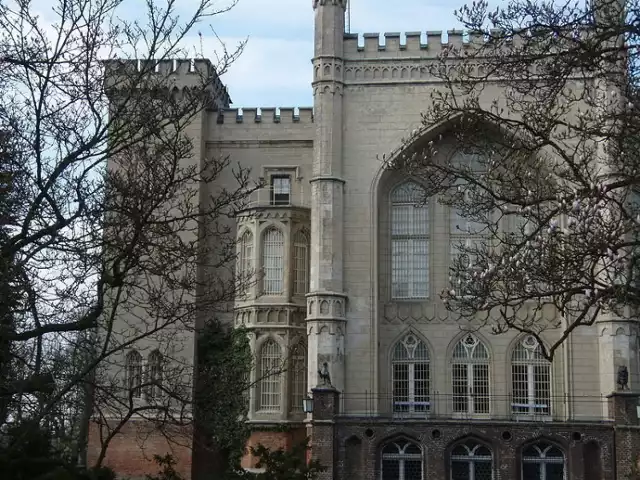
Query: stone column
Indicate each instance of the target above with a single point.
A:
(326, 302)
(326, 406)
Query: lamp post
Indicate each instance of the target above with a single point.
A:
(307, 404)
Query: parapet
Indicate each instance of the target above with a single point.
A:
(266, 115)
(428, 44)
(176, 73)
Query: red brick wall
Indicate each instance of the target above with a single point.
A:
(130, 452)
(273, 441)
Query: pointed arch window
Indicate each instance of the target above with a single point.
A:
(530, 379)
(133, 364)
(298, 376)
(410, 375)
(245, 260)
(409, 242)
(270, 377)
(155, 374)
(470, 376)
(471, 460)
(301, 263)
(273, 262)
(401, 460)
(542, 461)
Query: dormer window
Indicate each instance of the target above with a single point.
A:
(280, 189)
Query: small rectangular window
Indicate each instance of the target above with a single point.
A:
(280, 190)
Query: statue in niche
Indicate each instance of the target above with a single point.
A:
(623, 377)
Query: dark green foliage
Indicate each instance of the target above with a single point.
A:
(221, 397)
(286, 465)
(167, 466)
(27, 453)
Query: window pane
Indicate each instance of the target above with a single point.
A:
(270, 375)
(273, 262)
(401, 387)
(390, 469)
(481, 388)
(555, 471)
(460, 470)
(460, 398)
(421, 386)
(412, 470)
(519, 378)
(482, 470)
(531, 471)
(542, 388)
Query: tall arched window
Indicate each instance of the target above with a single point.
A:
(471, 460)
(133, 364)
(401, 460)
(409, 242)
(273, 262)
(542, 461)
(300, 263)
(410, 375)
(155, 374)
(245, 260)
(270, 375)
(298, 376)
(470, 376)
(530, 379)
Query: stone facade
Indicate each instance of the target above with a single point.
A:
(318, 238)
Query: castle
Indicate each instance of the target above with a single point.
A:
(350, 276)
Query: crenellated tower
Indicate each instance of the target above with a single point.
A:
(326, 301)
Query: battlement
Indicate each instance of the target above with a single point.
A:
(283, 115)
(175, 73)
(428, 44)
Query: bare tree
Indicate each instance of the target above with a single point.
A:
(535, 147)
(114, 242)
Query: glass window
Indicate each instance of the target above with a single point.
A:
(401, 460)
(273, 262)
(280, 190)
(298, 376)
(471, 461)
(134, 373)
(245, 261)
(155, 374)
(542, 461)
(301, 263)
(270, 375)
(410, 375)
(470, 376)
(409, 242)
(530, 378)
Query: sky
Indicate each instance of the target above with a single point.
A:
(275, 67)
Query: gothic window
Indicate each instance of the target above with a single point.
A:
(410, 375)
(470, 376)
(245, 260)
(301, 263)
(155, 374)
(530, 378)
(409, 242)
(471, 460)
(134, 373)
(273, 262)
(280, 190)
(298, 376)
(542, 461)
(401, 460)
(269, 377)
